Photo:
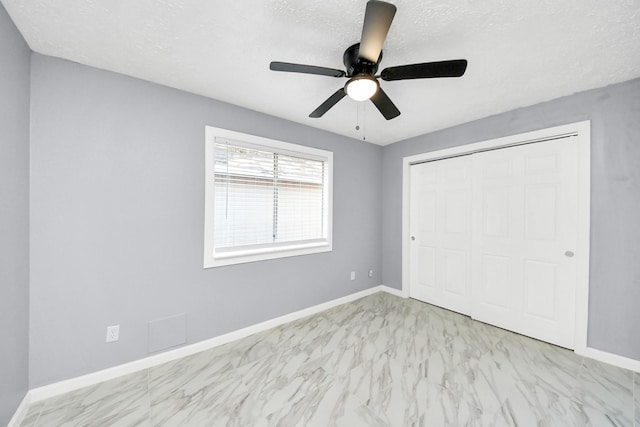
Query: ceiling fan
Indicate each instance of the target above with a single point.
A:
(362, 59)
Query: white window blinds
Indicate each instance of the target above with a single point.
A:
(265, 197)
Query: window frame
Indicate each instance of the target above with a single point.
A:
(260, 252)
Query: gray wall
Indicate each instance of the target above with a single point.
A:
(614, 112)
(117, 214)
(14, 217)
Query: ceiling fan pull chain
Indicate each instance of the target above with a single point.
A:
(364, 121)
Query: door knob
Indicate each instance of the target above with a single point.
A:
(569, 254)
(413, 237)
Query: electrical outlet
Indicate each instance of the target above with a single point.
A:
(370, 273)
(113, 333)
(353, 275)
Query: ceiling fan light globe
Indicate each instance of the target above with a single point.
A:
(361, 88)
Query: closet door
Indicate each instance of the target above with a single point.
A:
(524, 232)
(440, 227)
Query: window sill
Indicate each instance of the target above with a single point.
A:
(232, 257)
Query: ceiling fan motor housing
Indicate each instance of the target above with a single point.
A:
(356, 65)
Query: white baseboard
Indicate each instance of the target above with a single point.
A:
(610, 358)
(21, 412)
(50, 390)
(393, 291)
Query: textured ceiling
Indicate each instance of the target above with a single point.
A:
(520, 52)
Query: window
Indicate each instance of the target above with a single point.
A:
(264, 199)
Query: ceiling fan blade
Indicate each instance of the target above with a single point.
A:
(427, 70)
(377, 20)
(384, 105)
(330, 102)
(307, 69)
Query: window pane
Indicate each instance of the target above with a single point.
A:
(300, 199)
(262, 197)
(244, 211)
(299, 212)
(244, 196)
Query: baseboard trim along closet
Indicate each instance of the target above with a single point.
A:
(50, 390)
(610, 358)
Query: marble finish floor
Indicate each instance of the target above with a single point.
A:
(377, 361)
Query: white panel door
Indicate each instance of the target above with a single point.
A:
(440, 227)
(524, 232)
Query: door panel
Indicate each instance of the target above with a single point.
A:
(455, 271)
(427, 268)
(496, 281)
(496, 212)
(441, 226)
(541, 211)
(456, 209)
(540, 283)
(528, 222)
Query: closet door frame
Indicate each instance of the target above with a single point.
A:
(583, 132)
